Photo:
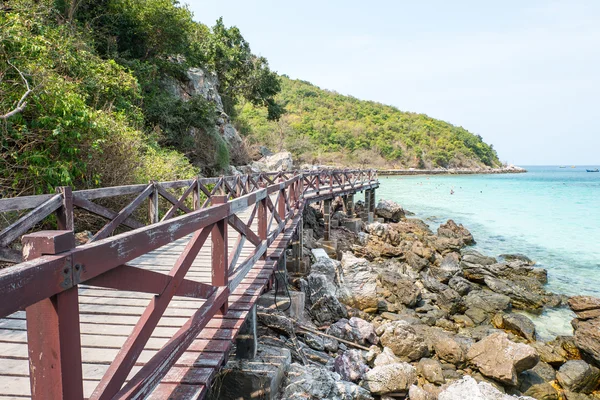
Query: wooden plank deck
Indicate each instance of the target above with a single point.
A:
(107, 317)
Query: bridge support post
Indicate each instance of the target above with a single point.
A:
(247, 341)
(53, 337)
(327, 218)
(350, 206)
(220, 266)
(372, 202)
(297, 247)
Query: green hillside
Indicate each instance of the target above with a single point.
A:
(327, 127)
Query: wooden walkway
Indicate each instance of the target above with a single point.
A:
(108, 317)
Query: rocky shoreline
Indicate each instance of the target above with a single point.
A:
(511, 169)
(411, 313)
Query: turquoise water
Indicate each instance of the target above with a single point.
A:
(550, 214)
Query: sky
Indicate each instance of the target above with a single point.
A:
(525, 75)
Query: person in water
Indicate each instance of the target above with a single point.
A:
(451, 191)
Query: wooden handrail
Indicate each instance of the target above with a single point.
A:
(53, 274)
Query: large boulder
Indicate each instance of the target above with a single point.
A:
(389, 210)
(448, 348)
(350, 365)
(312, 382)
(386, 357)
(277, 162)
(397, 288)
(587, 338)
(321, 299)
(391, 378)
(515, 323)
(453, 231)
(469, 389)
(537, 382)
(431, 370)
(355, 330)
(585, 307)
(403, 340)
(501, 359)
(359, 286)
(578, 376)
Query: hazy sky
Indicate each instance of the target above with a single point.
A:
(525, 75)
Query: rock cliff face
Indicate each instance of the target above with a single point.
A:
(201, 83)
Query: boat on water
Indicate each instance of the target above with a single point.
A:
(562, 167)
(572, 166)
(593, 170)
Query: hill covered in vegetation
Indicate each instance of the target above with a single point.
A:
(321, 126)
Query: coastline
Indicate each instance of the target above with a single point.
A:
(452, 171)
(412, 311)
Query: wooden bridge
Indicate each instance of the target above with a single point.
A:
(145, 310)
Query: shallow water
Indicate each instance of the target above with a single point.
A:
(550, 214)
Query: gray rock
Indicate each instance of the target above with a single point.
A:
(389, 210)
(403, 340)
(317, 382)
(321, 300)
(359, 286)
(402, 290)
(522, 297)
(578, 376)
(516, 323)
(535, 382)
(469, 389)
(431, 370)
(474, 257)
(350, 365)
(448, 269)
(320, 343)
(518, 257)
(391, 378)
(550, 353)
(417, 393)
(497, 357)
(277, 162)
(461, 285)
(355, 330)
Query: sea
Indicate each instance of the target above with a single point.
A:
(550, 214)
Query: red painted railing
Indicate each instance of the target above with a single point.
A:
(46, 283)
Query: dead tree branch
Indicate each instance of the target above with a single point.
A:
(22, 103)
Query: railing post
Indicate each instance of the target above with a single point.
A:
(281, 202)
(262, 219)
(220, 247)
(64, 215)
(327, 218)
(197, 203)
(331, 182)
(153, 216)
(53, 337)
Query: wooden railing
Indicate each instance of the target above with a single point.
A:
(46, 283)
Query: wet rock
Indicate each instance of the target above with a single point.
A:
(585, 307)
(453, 231)
(359, 287)
(515, 323)
(403, 340)
(350, 365)
(567, 343)
(431, 370)
(386, 357)
(317, 382)
(389, 210)
(469, 388)
(578, 376)
(517, 257)
(355, 330)
(497, 357)
(482, 305)
(391, 378)
(523, 297)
